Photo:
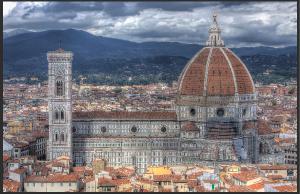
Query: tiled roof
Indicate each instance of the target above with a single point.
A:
(38, 134)
(55, 178)
(192, 77)
(105, 182)
(284, 140)
(11, 185)
(248, 125)
(5, 157)
(220, 81)
(194, 175)
(121, 181)
(165, 178)
(57, 164)
(78, 168)
(245, 176)
(166, 190)
(124, 172)
(263, 127)
(275, 176)
(19, 170)
(124, 115)
(278, 167)
(88, 179)
(200, 188)
(192, 183)
(257, 186)
(211, 181)
(244, 81)
(145, 181)
(286, 188)
(239, 188)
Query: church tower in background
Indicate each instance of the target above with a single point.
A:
(60, 103)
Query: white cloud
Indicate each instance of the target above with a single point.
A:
(7, 7)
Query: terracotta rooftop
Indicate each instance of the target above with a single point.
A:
(286, 188)
(285, 140)
(220, 74)
(166, 190)
(145, 181)
(277, 167)
(263, 127)
(239, 188)
(19, 170)
(248, 125)
(5, 157)
(55, 178)
(121, 181)
(78, 168)
(194, 175)
(275, 176)
(192, 183)
(88, 179)
(211, 181)
(200, 188)
(166, 178)
(105, 182)
(245, 176)
(257, 186)
(124, 172)
(124, 115)
(11, 185)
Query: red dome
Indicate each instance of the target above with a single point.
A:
(215, 71)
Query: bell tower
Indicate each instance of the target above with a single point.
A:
(60, 103)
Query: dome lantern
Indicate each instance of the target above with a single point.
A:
(214, 38)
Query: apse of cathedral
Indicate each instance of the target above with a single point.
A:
(214, 118)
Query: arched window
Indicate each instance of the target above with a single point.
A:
(62, 115)
(56, 115)
(59, 88)
(62, 137)
(133, 160)
(215, 41)
(165, 160)
(56, 137)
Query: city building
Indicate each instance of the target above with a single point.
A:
(214, 117)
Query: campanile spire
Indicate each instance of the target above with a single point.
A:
(214, 38)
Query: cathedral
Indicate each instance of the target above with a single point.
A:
(214, 119)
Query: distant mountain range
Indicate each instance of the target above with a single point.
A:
(15, 32)
(25, 53)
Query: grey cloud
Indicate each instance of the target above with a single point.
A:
(242, 23)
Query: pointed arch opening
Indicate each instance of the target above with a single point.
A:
(62, 115)
(56, 115)
(59, 87)
(62, 137)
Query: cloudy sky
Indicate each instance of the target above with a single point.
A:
(243, 24)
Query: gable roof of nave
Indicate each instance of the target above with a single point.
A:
(125, 115)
